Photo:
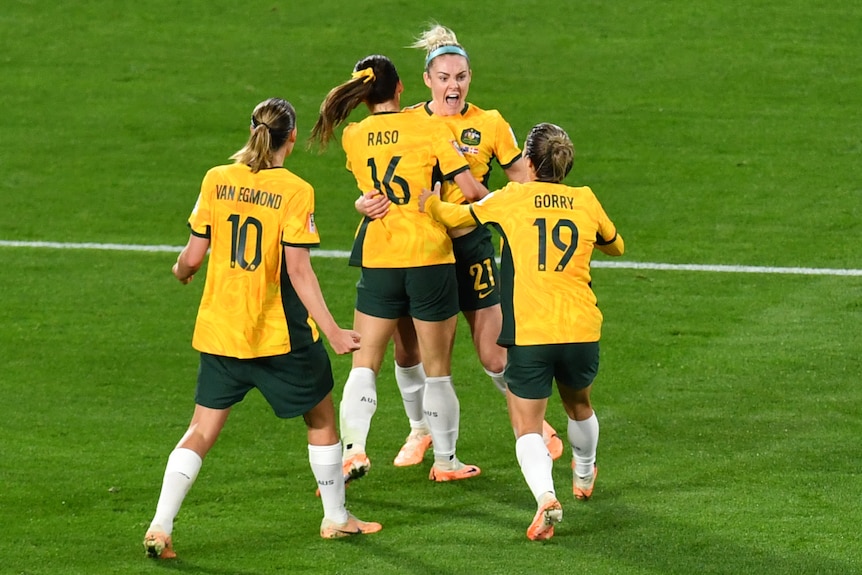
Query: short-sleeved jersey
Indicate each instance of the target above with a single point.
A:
(483, 136)
(398, 153)
(249, 307)
(549, 232)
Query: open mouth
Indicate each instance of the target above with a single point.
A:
(452, 99)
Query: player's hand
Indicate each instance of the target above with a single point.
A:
(176, 271)
(423, 197)
(344, 341)
(373, 204)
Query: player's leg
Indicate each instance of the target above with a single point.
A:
(530, 376)
(434, 307)
(574, 383)
(218, 388)
(410, 377)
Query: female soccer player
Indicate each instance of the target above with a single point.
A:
(551, 323)
(482, 135)
(406, 259)
(260, 318)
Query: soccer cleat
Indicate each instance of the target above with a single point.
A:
(353, 526)
(463, 472)
(158, 544)
(413, 450)
(353, 468)
(552, 441)
(549, 514)
(582, 487)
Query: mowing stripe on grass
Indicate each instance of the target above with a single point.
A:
(597, 264)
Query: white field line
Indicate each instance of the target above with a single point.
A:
(594, 263)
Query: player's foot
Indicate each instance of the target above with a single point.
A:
(552, 441)
(549, 514)
(459, 471)
(414, 448)
(354, 467)
(582, 487)
(158, 544)
(353, 526)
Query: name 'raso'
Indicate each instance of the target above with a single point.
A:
(382, 137)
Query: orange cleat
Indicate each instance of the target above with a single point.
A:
(353, 468)
(463, 472)
(582, 487)
(353, 526)
(549, 514)
(158, 544)
(552, 441)
(413, 450)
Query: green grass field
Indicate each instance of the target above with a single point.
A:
(729, 402)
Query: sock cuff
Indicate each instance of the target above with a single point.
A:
(325, 454)
(185, 461)
(439, 379)
(493, 374)
(408, 368)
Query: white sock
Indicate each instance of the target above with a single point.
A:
(411, 383)
(584, 437)
(325, 463)
(180, 473)
(358, 404)
(536, 464)
(499, 381)
(443, 412)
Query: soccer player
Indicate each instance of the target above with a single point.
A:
(406, 260)
(551, 323)
(260, 318)
(482, 135)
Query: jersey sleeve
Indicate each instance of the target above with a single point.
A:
(507, 150)
(608, 241)
(449, 155)
(450, 215)
(200, 220)
(298, 227)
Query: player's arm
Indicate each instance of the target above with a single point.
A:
(304, 281)
(473, 190)
(450, 215)
(373, 204)
(191, 258)
(613, 246)
(518, 171)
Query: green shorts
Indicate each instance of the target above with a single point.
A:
(292, 383)
(476, 270)
(532, 369)
(426, 293)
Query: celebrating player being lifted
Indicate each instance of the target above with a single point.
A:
(482, 136)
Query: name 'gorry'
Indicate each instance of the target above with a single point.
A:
(553, 201)
(249, 196)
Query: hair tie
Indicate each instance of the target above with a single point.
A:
(255, 123)
(366, 73)
(450, 49)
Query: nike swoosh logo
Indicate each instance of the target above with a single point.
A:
(483, 295)
(357, 532)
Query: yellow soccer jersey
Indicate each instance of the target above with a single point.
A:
(249, 307)
(549, 232)
(398, 153)
(482, 135)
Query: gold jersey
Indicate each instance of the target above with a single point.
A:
(549, 232)
(482, 136)
(249, 307)
(400, 154)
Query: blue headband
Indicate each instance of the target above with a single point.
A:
(446, 50)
